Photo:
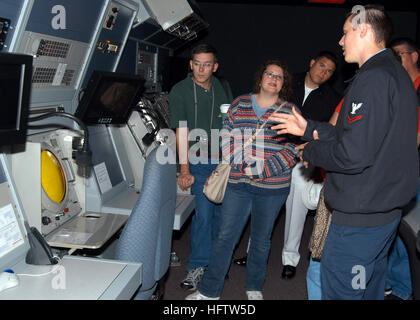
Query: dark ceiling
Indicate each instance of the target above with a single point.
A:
(393, 5)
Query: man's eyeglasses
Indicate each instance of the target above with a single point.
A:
(271, 75)
(206, 65)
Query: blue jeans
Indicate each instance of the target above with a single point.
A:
(313, 280)
(205, 221)
(354, 261)
(398, 276)
(237, 205)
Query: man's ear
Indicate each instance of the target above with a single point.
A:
(191, 64)
(363, 29)
(215, 67)
(415, 57)
(311, 63)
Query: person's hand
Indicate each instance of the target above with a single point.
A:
(254, 167)
(289, 123)
(315, 135)
(185, 180)
(248, 172)
(300, 149)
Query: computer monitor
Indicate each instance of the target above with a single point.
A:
(15, 88)
(109, 97)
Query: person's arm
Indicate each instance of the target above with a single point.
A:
(177, 112)
(185, 178)
(333, 119)
(364, 129)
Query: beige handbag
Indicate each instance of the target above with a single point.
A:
(215, 187)
(321, 226)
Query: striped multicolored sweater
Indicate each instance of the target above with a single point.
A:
(270, 156)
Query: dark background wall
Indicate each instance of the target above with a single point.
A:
(247, 34)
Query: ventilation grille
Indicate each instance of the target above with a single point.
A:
(51, 48)
(43, 75)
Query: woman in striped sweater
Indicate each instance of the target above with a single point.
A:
(259, 180)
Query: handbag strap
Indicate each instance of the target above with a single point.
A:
(259, 129)
(262, 126)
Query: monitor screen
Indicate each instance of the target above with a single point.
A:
(109, 97)
(15, 87)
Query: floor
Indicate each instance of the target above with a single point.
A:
(275, 288)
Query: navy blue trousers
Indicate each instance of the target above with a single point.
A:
(354, 261)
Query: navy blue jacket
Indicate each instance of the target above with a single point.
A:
(371, 154)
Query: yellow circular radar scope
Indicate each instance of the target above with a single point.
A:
(52, 177)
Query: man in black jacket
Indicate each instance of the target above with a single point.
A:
(370, 157)
(311, 90)
(317, 101)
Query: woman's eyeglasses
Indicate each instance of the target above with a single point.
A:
(271, 75)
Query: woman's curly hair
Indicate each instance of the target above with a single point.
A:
(286, 91)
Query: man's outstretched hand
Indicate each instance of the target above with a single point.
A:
(289, 123)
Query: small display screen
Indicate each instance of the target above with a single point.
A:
(109, 98)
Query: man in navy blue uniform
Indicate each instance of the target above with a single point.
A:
(370, 157)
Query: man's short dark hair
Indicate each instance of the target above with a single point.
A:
(204, 48)
(329, 55)
(380, 21)
(409, 43)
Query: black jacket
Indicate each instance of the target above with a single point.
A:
(371, 155)
(321, 102)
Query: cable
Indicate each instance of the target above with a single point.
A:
(65, 115)
(149, 137)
